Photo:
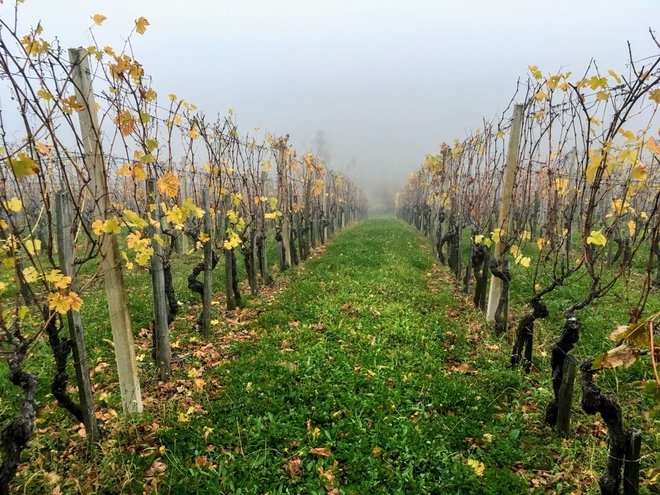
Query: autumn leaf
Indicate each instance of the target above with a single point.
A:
(23, 166)
(592, 167)
(125, 120)
(477, 466)
(636, 333)
(14, 204)
(597, 238)
(638, 172)
(293, 467)
(156, 470)
(540, 96)
(168, 185)
(141, 25)
(43, 149)
(30, 274)
(322, 451)
(615, 76)
(654, 95)
(98, 19)
(653, 146)
(619, 356)
(138, 172)
(44, 94)
(32, 246)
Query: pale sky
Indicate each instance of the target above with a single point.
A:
(387, 81)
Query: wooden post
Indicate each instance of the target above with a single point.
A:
(208, 266)
(504, 219)
(631, 467)
(565, 397)
(74, 321)
(324, 214)
(182, 241)
(113, 277)
(162, 351)
(229, 261)
(283, 167)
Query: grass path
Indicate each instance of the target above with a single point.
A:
(356, 383)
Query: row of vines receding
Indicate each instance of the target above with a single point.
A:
(100, 175)
(562, 190)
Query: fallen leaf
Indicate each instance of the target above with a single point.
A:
(293, 466)
(322, 451)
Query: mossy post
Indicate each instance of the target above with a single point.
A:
(161, 335)
(208, 265)
(113, 277)
(504, 219)
(74, 321)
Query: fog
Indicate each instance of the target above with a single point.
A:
(372, 85)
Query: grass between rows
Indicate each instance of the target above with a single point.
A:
(366, 372)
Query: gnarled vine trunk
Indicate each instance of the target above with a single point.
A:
(15, 435)
(570, 334)
(594, 402)
(522, 349)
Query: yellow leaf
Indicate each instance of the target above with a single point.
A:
(204, 237)
(602, 95)
(32, 246)
(30, 274)
(135, 219)
(496, 235)
(638, 172)
(541, 95)
(14, 204)
(159, 240)
(58, 302)
(500, 134)
(477, 466)
(141, 25)
(654, 95)
(111, 226)
(632, 227)
(597, 82)
(592, 167)
(75, 301)
(42, 93)
(23, 166)
(125, 170)
(536, 73)
(597, 238)
(168, 185)
(125, 120)
(615, 76)
(98, 19)
(138, 172)
(653, 146)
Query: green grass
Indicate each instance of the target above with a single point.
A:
(366, 353)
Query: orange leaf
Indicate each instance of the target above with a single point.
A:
(168, 185)
(322, 451)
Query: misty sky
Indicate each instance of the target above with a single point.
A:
(387, 81)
